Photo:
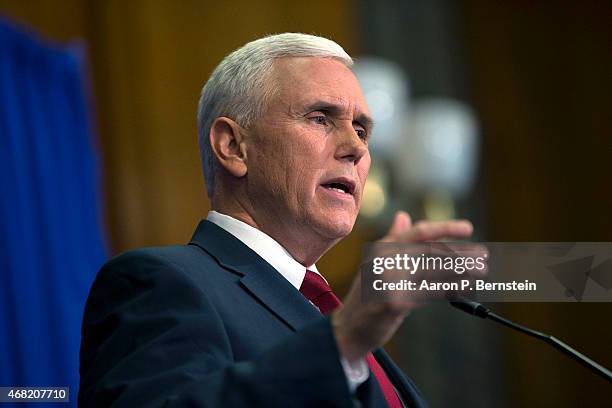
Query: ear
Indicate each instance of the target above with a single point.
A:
(226, 140)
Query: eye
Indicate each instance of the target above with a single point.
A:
(361, 133)
(319, 118)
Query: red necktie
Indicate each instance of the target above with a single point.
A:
(315, 289)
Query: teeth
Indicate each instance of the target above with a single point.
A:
(337, 189)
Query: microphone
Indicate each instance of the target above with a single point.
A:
(477, 309)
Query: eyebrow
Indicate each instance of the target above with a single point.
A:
(337, 110)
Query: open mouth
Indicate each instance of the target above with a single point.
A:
(340, 185)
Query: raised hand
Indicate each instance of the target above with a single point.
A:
(361, 326)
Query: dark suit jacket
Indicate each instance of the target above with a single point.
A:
(212, 324)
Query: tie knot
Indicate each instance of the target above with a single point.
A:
(316, 289)
(314, 285)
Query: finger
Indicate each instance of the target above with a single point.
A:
(434, 230)
(458, 249)
(401, 224)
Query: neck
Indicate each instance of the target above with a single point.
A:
(306, 247)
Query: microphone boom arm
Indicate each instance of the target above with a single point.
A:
(477, 309)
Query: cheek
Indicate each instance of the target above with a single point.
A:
(362, 172)
(268, 159)
(291, 158)
(304, 158)
(364, 168)
(286, 173)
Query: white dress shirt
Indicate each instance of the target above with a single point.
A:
(281, 260)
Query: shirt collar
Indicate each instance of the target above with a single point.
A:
(265, 246)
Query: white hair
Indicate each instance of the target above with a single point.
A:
(239, 86)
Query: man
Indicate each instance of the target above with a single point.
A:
(237, 316)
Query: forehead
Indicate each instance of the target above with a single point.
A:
(304, 80)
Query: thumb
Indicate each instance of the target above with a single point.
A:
(401, 223)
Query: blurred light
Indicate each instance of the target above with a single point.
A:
(441, 148)
(373, 199)
(374, 193)
(381, 104)
(386, 90)
(438, 205)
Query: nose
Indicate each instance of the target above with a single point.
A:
(350, 147)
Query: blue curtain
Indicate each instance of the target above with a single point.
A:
(51, 240)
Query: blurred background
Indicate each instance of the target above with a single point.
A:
(496, 111)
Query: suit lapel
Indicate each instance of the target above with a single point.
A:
(259, 278)
(409, 393)
(265, 283)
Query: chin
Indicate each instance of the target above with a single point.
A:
(336, 226)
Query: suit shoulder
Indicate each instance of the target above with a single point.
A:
(171, 253)
(167, 274)
(187, 263)
(170, 257)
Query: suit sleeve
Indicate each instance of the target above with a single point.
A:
(151, 338)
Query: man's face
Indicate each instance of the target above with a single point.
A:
(308, 155)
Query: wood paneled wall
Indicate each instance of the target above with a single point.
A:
(541, 75)
(149, 60)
